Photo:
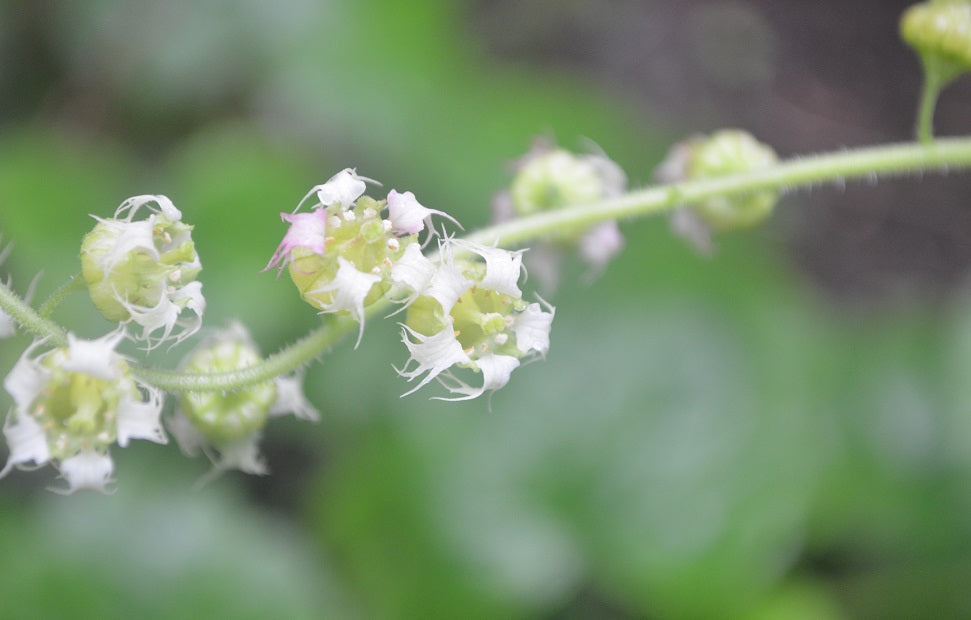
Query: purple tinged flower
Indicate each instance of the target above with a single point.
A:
(306, 230)
(409, 216)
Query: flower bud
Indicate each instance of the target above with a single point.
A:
(227, 426)
(726, 152)
(145, 271)
(224, 417)
(940, 32)
(71, 404)
(549, 178)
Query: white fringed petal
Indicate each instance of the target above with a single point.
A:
(290, 398)
(503, 267)
(532, 329)
(343, 188)
(496, 370)
(96, 358)
(350, 287)
(87, 470)
(407, 215)
(26, 441)
(433, 354)
(140, 419)
(26, 379)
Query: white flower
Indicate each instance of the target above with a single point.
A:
(344, 188)
(532, 329)
(290, 398)
(144, 271)
(26, 441)
(141, 420)
(432, 354)
(443, 282)
(503, 267)
(600, 244)
(408, 216)
(87, 470)
(349, 288)
(71, 404)
(495, 370)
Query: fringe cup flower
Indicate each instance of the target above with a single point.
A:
(340, 254)
(468, 314)
(71, 404)
(145, 271)
(227, 426)
(549, 178)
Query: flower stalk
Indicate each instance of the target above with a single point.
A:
(941, 155)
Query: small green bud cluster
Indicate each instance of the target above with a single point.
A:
(940, 31)
(227, 425)
(729, 151)
(145, 271)
(549, 178)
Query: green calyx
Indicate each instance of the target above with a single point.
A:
(940, 32)
(359, 236)
(141, 276)
(78, 411)
(223, 417)
(727, 152)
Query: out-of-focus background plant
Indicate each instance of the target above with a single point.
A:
(781, 431)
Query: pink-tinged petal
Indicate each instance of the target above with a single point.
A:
(307, 230)
(407, 215)
(600, 244)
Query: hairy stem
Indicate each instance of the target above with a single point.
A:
(74, 284)
(890, 160)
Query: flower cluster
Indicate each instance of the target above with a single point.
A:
(468, 313)
(340, 253)
(227, 426)
(464, 313)
(549, 178)
(144, 271)
(71, 404)
(464, 307)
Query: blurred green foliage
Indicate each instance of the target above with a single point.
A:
(707, 439)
